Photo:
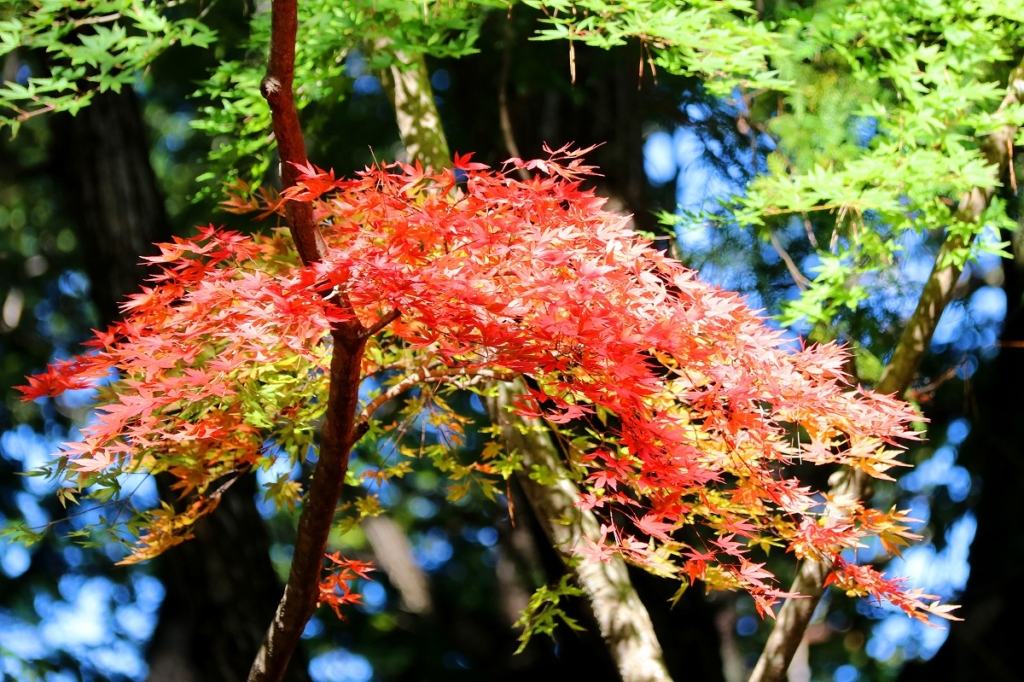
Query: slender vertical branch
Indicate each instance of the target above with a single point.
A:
(507, 134)
(796, 614)
(302, 591)
(277, 89)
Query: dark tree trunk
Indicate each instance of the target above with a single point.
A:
(986, 644)
(221, 587)
(103, 158)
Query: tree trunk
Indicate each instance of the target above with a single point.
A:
(112, 194)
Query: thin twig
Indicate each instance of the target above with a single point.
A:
(85, 21)
(810, 231)
(1013, 173)
(794, 271)
(507, 135)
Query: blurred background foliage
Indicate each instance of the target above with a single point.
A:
(144, 157)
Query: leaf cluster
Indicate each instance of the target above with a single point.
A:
(870, 118)
(85, 47)
(486, 277)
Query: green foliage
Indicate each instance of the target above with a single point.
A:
(721, 41)
(542, 615)
(928, 77)
(86, 47)
(329, 32)
(869, 117)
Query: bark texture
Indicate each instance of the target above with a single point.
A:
(407, 84)
(112, 193)
(221, 592)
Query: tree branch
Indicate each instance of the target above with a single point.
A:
(302, 592)
(795, 615)
(382, 322)
(794, 271)
(507, 134)
(422, 375)
(276, 88)
(621, 617)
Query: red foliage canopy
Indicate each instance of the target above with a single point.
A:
(704, 404)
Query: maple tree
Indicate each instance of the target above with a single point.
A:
(646, 504)
(446, 279)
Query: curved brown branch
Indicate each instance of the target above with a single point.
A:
(425, 375)
(794, 271)
(896, 378)
(302, 591)
(382, 322)
(277, 89)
